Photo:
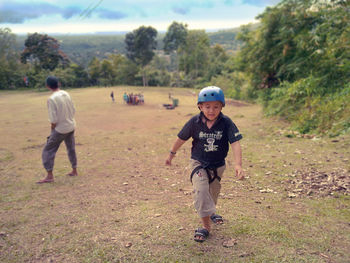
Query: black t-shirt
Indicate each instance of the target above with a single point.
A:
(210, 146)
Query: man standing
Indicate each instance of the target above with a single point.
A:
(112, 96)
(61, 116)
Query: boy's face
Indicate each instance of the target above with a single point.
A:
(211, 109)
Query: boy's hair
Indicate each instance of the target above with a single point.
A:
(52, 82)
(201, 103)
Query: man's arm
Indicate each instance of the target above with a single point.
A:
(237, 157)
(52, 113)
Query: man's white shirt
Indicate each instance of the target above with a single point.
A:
(61, 111)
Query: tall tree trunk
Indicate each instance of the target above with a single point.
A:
(177, 79)
(144, 78)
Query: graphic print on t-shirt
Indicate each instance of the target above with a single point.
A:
(211, 137)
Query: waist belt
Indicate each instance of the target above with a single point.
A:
(208, 170)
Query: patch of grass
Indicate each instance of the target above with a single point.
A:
(338, 209)
(5, 155)
(125, 194)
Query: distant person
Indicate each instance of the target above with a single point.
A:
(126, 98)
(212, 132)
(26, 81)
(112, 96)
(61, 116)
(142, 99)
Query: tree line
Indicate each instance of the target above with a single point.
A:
(295, 62)
(141, 64)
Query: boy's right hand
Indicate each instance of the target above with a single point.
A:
(239, 172)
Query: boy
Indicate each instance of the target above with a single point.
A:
(61, 116)
(212, 132)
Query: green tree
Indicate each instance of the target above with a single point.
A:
(94, 70)
(299, 57)
(174, 38)
(295, 39)
(43, 51)
(157, 72)
(107, 74)
(7, 43)
(140, 45)
(11, 74)
(194, 55)
(74, 76)
(125, 70)
(218, 59)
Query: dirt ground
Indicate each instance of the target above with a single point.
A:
(127, 206)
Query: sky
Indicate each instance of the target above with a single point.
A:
(93, 16)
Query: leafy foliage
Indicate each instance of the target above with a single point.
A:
(82, 48)
(194, 54)
(43, 51)
(227, 39)
(140, 45)
(10, 76)
(7, 40)
(175, 37)
(299, 57)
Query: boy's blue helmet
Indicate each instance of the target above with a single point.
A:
(211, 93)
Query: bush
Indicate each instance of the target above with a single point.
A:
(308, 107)
(235, 85)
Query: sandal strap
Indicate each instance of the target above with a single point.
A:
(215, 218)
(201, 232)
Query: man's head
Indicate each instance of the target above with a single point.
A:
(211, 100)
(52, 82)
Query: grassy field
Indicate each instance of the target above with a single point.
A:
(127, 206)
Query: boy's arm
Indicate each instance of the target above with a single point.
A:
(237, 156)
(178, 143)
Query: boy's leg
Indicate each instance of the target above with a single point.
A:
(214, 189)
(70, 145)
(203, 201)
(215, 186)
(49, 153)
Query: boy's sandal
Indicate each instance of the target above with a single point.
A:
(217, 219)
(201, 234)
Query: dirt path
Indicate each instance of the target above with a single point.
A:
(127, 206)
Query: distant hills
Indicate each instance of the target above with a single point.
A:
(82, 48)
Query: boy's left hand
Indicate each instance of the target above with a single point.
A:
(239, 172)
(168, 160)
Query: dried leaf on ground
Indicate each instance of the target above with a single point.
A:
(230, 243)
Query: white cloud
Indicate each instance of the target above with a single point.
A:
(125, 15)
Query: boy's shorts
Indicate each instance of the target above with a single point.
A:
(205, 194)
